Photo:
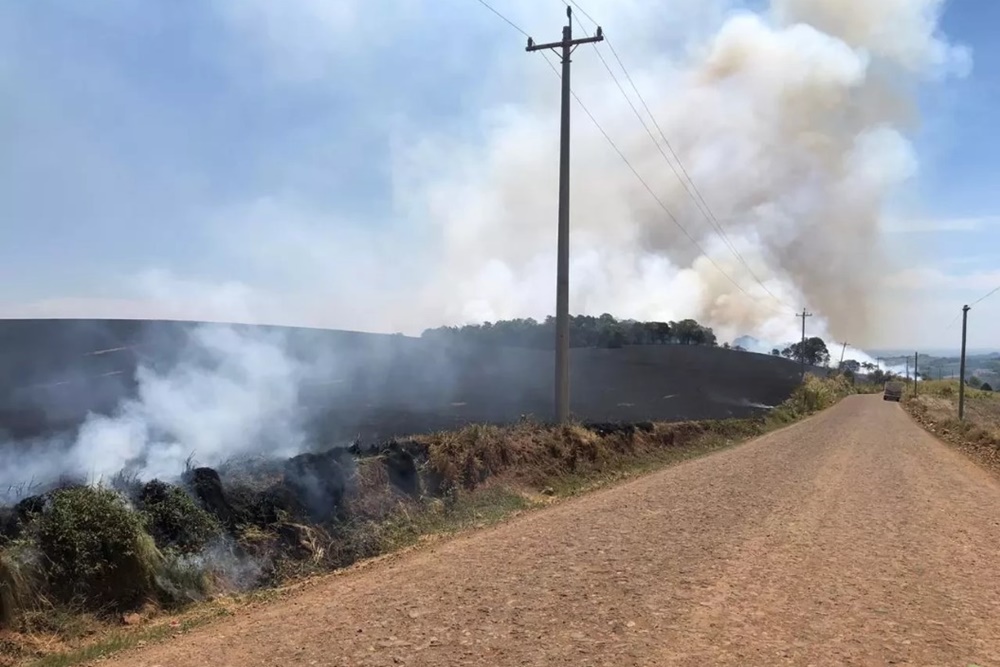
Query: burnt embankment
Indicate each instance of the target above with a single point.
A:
(256, 522)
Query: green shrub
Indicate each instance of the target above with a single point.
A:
(174, 519)
(96, 550)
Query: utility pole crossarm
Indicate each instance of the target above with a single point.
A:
(599, 37)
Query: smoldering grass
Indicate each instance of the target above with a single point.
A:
(21, 579)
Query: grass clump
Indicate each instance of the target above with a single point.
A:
(20, 581)
(96, 549)
(174, 519)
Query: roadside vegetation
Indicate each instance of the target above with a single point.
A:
(85, 571)
(935, 407)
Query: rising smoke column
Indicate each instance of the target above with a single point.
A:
(792, 123)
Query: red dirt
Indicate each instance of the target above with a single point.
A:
(853, 538)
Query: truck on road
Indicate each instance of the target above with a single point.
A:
(893, 391)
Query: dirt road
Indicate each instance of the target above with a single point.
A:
(850, 539)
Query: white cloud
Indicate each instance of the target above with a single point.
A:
(931, 225)
(930, 278)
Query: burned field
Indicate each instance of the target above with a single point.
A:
(376, 387)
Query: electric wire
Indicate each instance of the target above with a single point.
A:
(625, 159)
(680, 171)
(507, 20)
(986, 296)
(649, 189)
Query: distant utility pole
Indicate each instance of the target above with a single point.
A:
(802, 345)
(961, 366)
(566, 47)
(842, 351)
(907, 369)
(916, 373)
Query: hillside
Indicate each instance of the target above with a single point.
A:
(52, 372)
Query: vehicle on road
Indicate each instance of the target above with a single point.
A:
(893, 391)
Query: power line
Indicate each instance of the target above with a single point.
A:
(683, 175)
(507, 20)
(983, 298)
(977, 301)
(624, 159)
(649, 189)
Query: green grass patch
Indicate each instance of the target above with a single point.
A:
(122, 640)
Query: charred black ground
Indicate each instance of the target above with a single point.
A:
(53, 372)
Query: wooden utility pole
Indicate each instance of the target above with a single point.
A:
(907, 369)
(842, 351)
(802, 345)
(565, 49)
(961, 366)
(916, 372)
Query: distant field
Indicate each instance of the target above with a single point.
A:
(52, 372)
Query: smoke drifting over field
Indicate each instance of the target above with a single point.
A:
(221, 394)
(791, 124)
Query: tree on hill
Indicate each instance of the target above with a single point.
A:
(816, 352)
(850, 366)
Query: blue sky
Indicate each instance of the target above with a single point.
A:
(158, 151)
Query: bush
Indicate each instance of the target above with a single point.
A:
(174, 519)
(811, 396)
(96, 550)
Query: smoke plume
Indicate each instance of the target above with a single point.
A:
(791, 123)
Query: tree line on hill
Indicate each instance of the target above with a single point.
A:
(584, 331)
(609, 332)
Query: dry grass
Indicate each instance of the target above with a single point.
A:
(19, 581)
(935, 407)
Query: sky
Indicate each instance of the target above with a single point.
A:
(320, 162)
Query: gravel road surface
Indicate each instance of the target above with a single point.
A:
(853, 538)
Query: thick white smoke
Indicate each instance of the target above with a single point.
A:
(792, 124)
(228, 393)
